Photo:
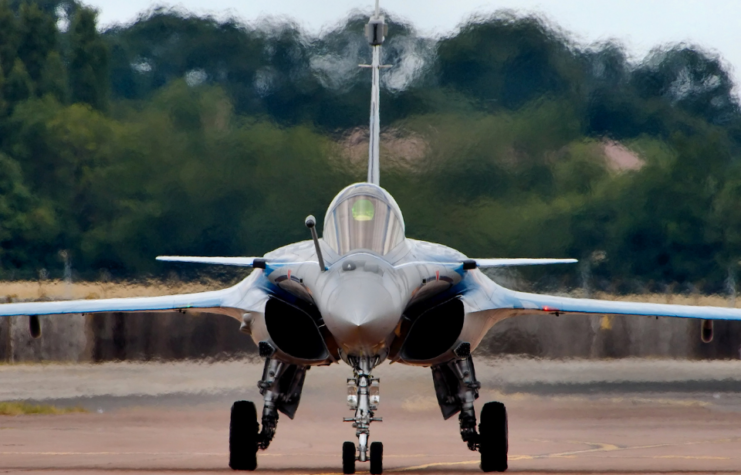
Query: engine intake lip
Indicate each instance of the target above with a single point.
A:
(434, 332)
(295, 331)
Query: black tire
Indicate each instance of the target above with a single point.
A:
(493, 441)
(243, 431)
(348, 458)
(376, 458)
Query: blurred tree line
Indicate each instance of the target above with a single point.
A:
(179, 134)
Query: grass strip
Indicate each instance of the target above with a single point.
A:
(25, 408)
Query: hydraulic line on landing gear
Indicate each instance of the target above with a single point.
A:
(468, 394)
(280, 386)
(271, 374)
(457, 389)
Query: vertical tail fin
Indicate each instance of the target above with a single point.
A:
(375, 32)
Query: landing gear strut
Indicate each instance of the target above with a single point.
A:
(457, 389)
(363, 397)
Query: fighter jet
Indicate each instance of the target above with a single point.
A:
(364, 294)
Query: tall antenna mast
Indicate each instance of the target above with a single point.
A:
(375, 32)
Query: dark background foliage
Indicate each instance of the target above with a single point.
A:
(179, 134)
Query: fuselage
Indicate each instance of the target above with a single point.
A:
(378, 296)
(362, 298)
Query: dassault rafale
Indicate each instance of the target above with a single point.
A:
(362, 294)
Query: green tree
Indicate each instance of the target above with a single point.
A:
(65, 152)
(27, 228)
(89, 60)
(506, 61)
(8, 37)
(54, 78)
(38, 37)
(3, 102)
(51, 7)
(18, 86)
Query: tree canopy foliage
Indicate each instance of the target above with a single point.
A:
(179, 134)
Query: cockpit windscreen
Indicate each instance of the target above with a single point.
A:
(363, 222)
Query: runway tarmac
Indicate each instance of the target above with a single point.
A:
(624, 416)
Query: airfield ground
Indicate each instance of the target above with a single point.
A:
(622, 416)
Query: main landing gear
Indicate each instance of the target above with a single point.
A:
(457, 389)
(280, 387)
(243, 436)
(362, 397)
(493, 435)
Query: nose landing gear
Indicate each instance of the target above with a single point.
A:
(363, 397)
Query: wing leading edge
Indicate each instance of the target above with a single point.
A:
(223, 261)
(564, 305)
(220, 301)
(520, 262)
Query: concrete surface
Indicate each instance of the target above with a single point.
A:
(622, 416)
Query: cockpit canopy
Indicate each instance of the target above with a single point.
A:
(363, 216)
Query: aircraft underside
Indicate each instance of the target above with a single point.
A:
(435, 332)
(456, 388)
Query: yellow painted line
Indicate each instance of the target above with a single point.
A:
(520, 457)
(596, 447)
(714, 441)
(654, 446)
(436, 464)
(385, 456)
(599, 447)
(691, 457)
(466, 462)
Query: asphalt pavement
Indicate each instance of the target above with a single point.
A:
(618, 416)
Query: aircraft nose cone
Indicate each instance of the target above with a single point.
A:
(361, 314)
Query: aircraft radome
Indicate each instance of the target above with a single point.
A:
(364, 294)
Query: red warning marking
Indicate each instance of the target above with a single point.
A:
(437, 275)
(289, 274)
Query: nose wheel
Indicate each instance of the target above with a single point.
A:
(362, 397)
(376, 458)
(348, 458)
